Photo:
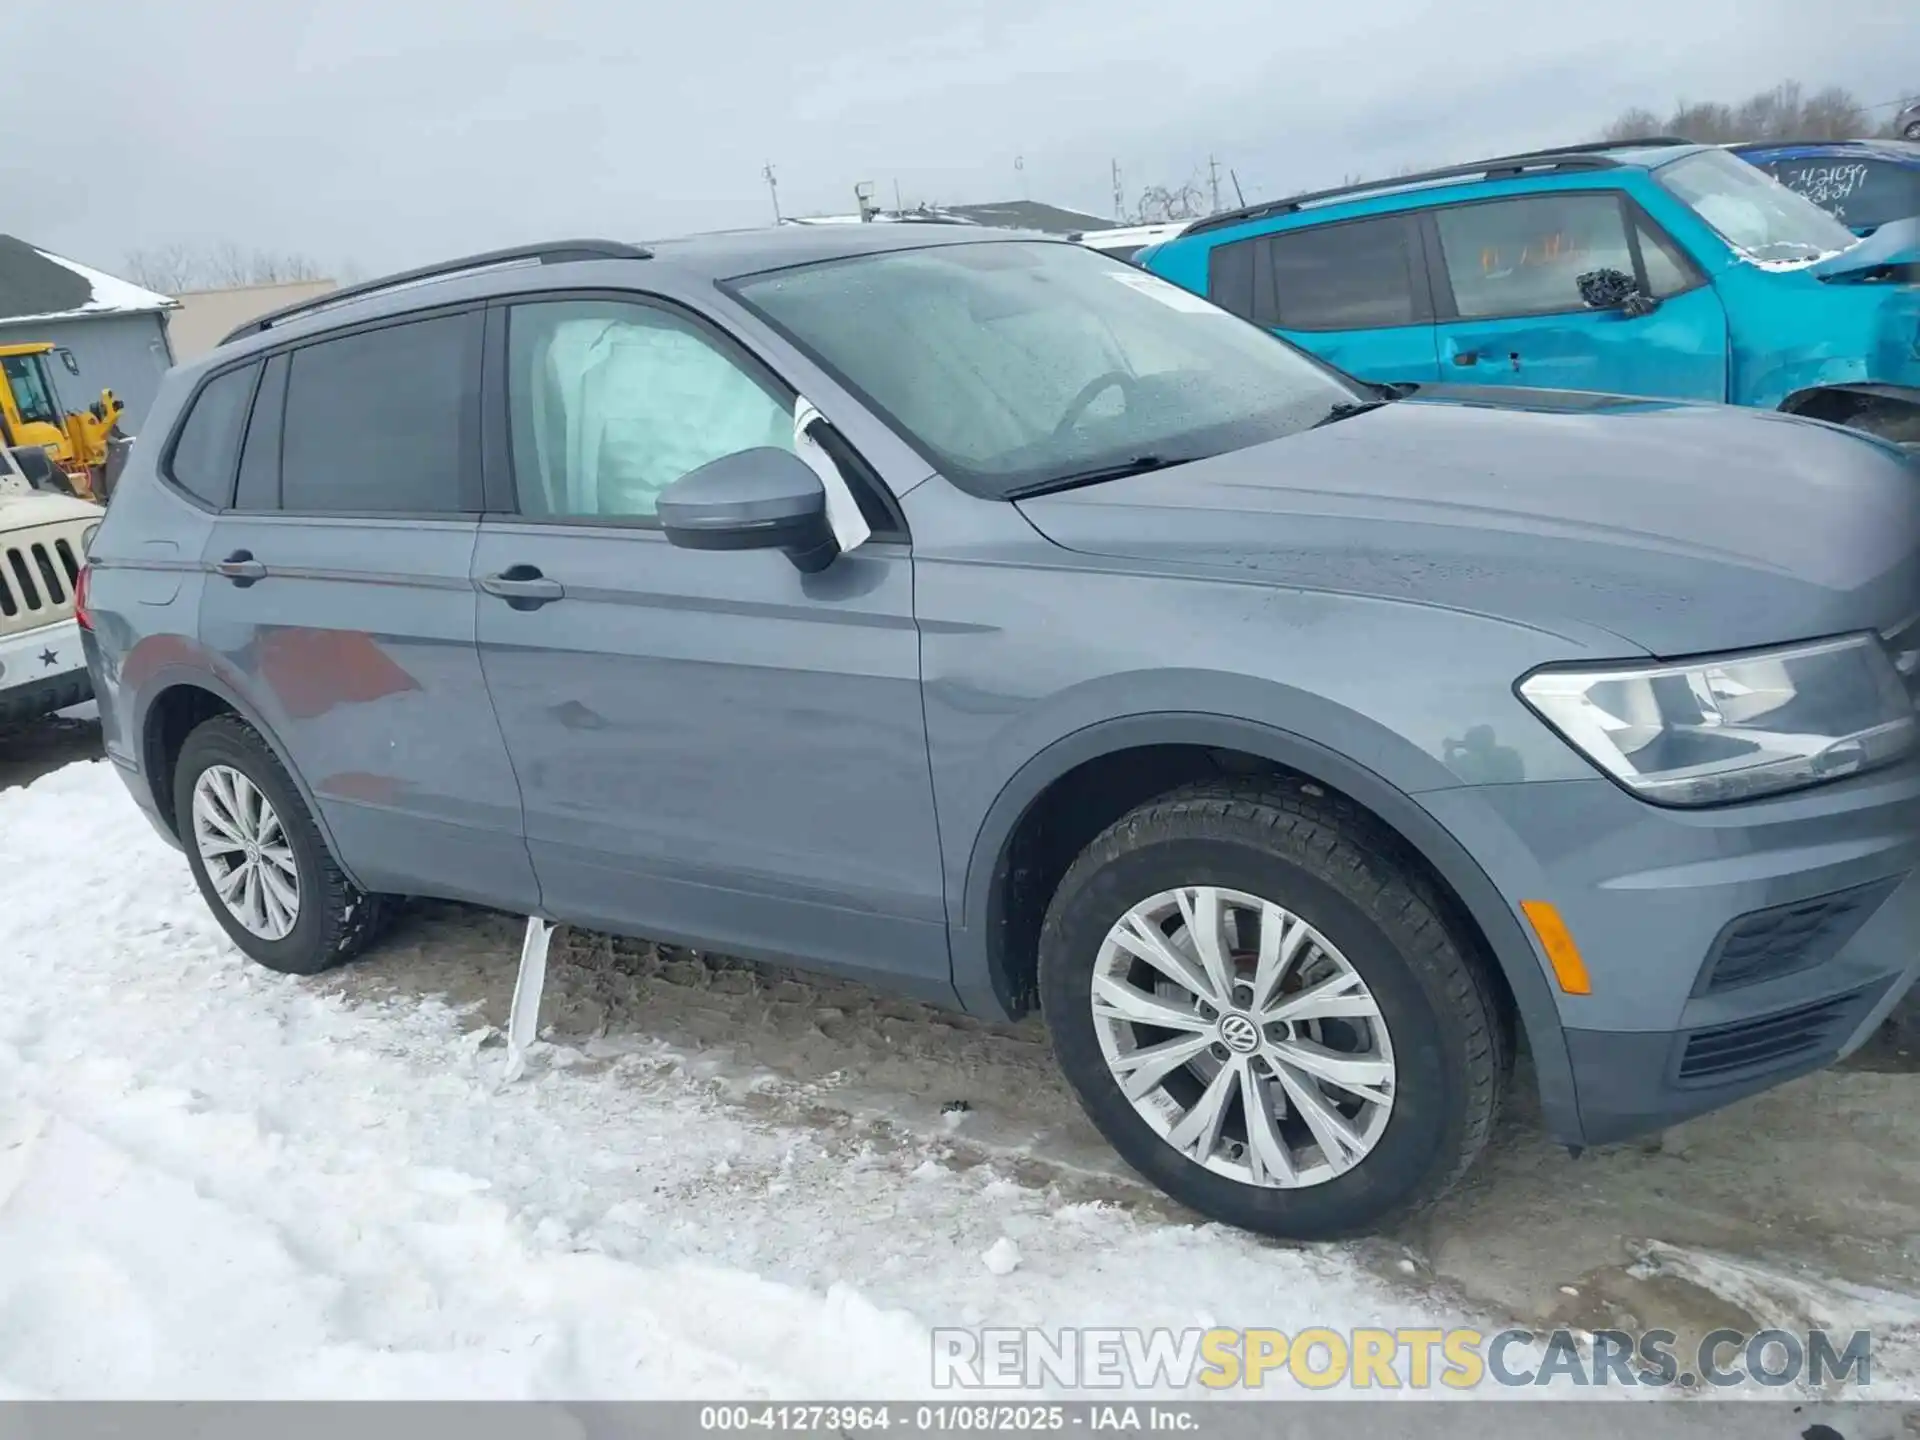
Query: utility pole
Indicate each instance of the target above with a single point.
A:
(1213, 181)
(1119, 194)
(773, 189)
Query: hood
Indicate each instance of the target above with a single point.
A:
(1895, 243)
(1680, 529)
(37, 507)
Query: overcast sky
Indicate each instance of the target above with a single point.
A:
(392, 132)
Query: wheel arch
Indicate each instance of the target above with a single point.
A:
(987, 970)
(180, 692)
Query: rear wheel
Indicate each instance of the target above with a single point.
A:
(258, 858)
(1266, 1016)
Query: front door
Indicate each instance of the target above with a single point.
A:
(1511, 313)
(712, 747)
(339, 604)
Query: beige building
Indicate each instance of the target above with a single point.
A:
(205, 316)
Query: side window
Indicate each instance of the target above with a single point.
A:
(1525, 256)
(1354, 276)
(208, 448)
(610, 403)
(259, 486)
(1230, 275)
(1668, 271)
(379, 420)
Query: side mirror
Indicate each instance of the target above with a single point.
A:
(760, 499)
(1608, 289)
(67, 359)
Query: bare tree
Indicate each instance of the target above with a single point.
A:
(172, 268)
(1159, 204)
(1785, 112)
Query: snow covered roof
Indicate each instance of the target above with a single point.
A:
(36, 284)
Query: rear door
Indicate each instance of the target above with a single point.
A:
(338, 598)
(1506, 290)
(1354, 293)
(712, 747)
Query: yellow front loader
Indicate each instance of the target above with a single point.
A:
(84, 446)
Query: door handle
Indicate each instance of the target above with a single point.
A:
(523, 587)
(241, 568)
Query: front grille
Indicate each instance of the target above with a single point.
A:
(1722, 1052)
(1771, 943)
(36, 578)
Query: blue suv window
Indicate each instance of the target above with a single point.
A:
(1524, 256)
(1354, 275)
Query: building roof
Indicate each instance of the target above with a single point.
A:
(1031, 215)
(36, 284)
(1001, 214)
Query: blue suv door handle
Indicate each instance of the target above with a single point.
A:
(523, 587)
(1474, 357)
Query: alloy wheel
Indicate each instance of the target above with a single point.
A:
(247, 852)
(1243, 1037)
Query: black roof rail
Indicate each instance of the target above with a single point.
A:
(1562, 157)
(558, 252)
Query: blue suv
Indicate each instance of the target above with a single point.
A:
(1656, 268)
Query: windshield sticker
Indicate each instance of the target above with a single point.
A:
(1171, 296)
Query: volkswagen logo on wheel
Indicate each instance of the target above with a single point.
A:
(1239, 1034)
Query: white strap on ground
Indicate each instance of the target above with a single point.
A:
(524, 1018)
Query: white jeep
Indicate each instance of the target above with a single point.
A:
(42, 544)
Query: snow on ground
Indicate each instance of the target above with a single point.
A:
(721, 1182)
(215, 1181)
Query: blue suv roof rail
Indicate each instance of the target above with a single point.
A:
(1562, 157)
(558, 252)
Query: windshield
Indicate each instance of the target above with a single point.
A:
(1014, 365)
(1863, 194)
(1752, 211)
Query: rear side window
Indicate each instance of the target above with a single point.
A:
(1861, 193)
(204, 456)
(1355, 276)
(382, 421)
(1525, 256)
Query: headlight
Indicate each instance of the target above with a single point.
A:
(1705, 732)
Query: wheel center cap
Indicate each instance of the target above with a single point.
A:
(1239, 1034)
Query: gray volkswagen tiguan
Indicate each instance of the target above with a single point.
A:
(979, 617)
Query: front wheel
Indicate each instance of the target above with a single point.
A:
(1266, 1015)
(258, 858)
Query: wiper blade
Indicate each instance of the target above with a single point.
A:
(1346, 410)
(1073, 479)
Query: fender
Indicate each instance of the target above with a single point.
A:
(983, 992)
(172, 677)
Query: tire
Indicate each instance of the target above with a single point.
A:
(1446, 1039)
(335, 920)
(1912, 132)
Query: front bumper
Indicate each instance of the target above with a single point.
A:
(1729, 949)
(42, 670)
